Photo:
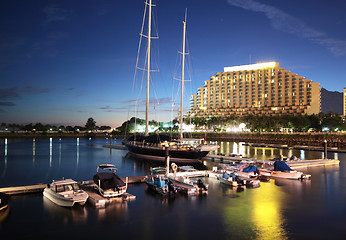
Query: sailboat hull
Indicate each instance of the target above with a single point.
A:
(158, 154)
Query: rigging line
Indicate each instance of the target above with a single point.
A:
(137, 60)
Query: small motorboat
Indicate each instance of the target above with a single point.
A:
(184, 184)
(108, 183)
(159, 183)
(65, 193)
(228, 179)
(282, 170)
(253, 172)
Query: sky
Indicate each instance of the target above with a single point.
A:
(64, 61)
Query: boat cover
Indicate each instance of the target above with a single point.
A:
(108, 180)
(251, 168)
(281, 166)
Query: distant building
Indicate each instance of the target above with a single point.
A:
(344, 101)
(263, 89)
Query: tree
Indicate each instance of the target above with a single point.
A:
(90, 124)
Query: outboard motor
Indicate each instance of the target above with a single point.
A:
(201, 185)
(171, 187)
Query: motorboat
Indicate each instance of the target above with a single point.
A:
(65, 193)
(282, 170)
(159, 183)
(108, 183)
(186, 185)
(251, 171)
(228, 179)
(235, 180)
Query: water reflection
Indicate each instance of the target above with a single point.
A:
(267, 153)
(50, 152)
(76, 214)
(267, 207)
(33, 151)
(5, 160)
(77, 152)
(117, 210)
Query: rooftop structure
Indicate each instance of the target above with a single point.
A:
(262, 88)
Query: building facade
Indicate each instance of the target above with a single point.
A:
(263, 89)
(344, 101)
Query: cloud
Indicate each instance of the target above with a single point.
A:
(7, 104)
(282, 21)
(9, 93)
(56, 14)
(34, 90)
(16, 92)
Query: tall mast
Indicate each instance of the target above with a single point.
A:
(148, 74)
(182, 79)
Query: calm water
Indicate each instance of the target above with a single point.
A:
(288, 209)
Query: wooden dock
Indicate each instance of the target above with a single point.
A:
(40, 187)
(312, 163)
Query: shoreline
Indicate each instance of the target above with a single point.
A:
(290, 139)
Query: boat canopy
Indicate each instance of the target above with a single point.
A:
(155, 138)
(250, 168)
(281, 166)
(108, 180)
(107, 166)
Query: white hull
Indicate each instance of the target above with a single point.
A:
(228, 182)
(287, 174)
(66, 199)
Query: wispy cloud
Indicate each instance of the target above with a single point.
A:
(9, 93)
(7, 104)
(56, 14)
(285, 22)
(16, 92)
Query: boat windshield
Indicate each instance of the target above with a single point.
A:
(67, 187)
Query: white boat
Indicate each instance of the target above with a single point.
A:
(228, 179)
(184, 184)
(108, 182)
(65, 193)
(282, 170)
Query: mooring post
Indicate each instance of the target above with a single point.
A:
(325, 148)
(167, 159)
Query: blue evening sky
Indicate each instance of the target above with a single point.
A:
(64, 61)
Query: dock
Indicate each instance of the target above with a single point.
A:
(312, 163)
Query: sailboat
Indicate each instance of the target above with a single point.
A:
(153, 147)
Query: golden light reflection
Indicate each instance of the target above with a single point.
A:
(257, 212)
(267, 207)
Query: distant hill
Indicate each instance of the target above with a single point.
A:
(331, 101)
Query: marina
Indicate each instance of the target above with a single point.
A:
(45, 160)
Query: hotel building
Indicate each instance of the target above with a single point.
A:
(262, 88)
(344, 101)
